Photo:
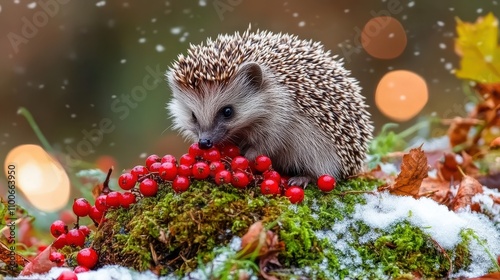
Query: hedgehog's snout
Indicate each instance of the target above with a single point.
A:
(205, 144)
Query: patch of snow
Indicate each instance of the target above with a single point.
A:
(31, 5)
(388, 168)
(443, 225)
(382, 212)
(107, 272)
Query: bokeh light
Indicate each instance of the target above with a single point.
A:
(39, 176)
(401, 94)
(383, 37)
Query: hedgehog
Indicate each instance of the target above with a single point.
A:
(272, 94)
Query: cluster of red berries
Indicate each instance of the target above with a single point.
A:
(223, 165)
(86, 258)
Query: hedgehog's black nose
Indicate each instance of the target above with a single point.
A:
(205, 144)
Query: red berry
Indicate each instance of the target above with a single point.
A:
(295, 194)
(60, 241)
(270, 187)
(81, 207)
(152, 159)
(148, 187)
(42, 248)
(168, 171)
(195, 151)
(187, 159)
(180, 184)
(272, 175)
(80, 269)
(100, 203)
(113, 199)
(211, 154)
(95, 214)
(127, 199)
(200, 170)
(75, 237)
(239, 163)
(127, 181)
(57, 258)
(184, 170)
(58, 227)
(87, 257)
(168, 158)
(284, 182)
(262, 163)
(67, 275)
(85, 230)
(240, 180)
(139, 171)
(155, 167)
(326, 183)
(223, 177)
(215, 167)
(231, 151)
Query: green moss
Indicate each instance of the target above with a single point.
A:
(177, 233)
(406, 249)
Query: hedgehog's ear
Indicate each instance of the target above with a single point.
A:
(251, 73)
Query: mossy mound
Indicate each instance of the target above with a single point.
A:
(174, 234)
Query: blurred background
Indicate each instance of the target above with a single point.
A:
(75, 64)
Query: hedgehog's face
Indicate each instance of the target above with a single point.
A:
(214, 114)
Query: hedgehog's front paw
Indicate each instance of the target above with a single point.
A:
(299, 181)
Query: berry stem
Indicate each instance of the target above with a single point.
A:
(105, 184)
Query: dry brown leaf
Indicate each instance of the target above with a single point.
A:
(495, 144)
(489, 91)
(489, 276)
(257, 238)
(5, 257)
(449, 169)
(496, 199)
(491, 181)
(436, 189)
(414, 169)
(459, 130)
(467, 189)
(253, 238)
(40, 264)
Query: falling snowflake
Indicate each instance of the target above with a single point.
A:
(160, 48)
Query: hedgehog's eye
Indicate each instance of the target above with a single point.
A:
(194, 117)
(227, 112)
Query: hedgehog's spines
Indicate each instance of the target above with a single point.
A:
(317, 83)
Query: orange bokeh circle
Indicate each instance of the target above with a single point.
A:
(401, 95)
(383, 37)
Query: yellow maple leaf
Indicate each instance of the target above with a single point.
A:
(477, 44)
